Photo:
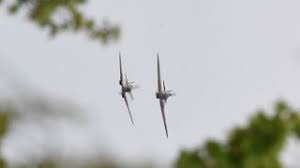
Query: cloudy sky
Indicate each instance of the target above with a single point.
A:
(224, 59)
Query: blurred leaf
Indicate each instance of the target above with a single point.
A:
(58, 16)
(189, 159)
(280, 106)
(47, 164)
(256, 145)
(4, 122)
(3, 163)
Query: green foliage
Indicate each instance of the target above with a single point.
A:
(3, 163)
(4, 122)
(47, 164)
(5, 119)
(257, 145)
(190, 159)
(63, 15)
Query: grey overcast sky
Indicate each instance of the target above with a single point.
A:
(224, 59)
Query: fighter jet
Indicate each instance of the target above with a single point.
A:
(162, 94)
(126, 87)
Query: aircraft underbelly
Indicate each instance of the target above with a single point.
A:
(126, 89)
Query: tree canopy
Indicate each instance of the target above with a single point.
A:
(57, 16)
(259, 144)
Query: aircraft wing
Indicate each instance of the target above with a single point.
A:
(162, 107)
(121, 73)
(158, 75)
(127, 105)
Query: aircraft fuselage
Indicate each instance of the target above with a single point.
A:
(162, 95)
(127, 88)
